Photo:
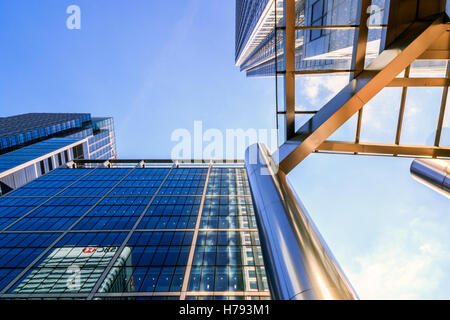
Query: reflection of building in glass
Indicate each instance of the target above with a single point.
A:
(77, 269)
(35, 143)
(315, 48)
(132, 231)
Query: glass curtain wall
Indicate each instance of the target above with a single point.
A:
(132, 233)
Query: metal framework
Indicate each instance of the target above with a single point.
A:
(143, 162)
(416, 30)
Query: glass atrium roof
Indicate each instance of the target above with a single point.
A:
(348, 84)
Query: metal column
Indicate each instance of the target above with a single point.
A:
(298, 263)
(433, 173)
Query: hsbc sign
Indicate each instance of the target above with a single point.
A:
(100, 249)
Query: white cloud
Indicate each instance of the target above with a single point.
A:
(312, 91)
(380, 115)
(320, 89)
(406, 263)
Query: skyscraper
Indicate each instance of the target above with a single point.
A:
(35, 143)
(140, 230)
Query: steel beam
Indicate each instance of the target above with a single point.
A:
(359, 51)
(402, 108)
(411, 44)
(437, 138)
(321, 71)
(358, 125)
(289, 76)
(385, 149)
(435, 55)
(419, 82)
(165, 161)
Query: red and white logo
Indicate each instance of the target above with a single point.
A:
(89, 250)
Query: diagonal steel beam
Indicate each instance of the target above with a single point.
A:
(400, 54)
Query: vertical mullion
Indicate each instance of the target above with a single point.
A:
(276, 73)
(359, 54)
(194, 238)
(437, 138)
(402, 109)
(358, 126)
(359, 51)
(289, 76)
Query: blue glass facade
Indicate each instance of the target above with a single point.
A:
(161, 232)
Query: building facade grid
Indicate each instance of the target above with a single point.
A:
(132, 233)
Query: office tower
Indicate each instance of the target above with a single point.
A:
(137, 230)
(35, 143)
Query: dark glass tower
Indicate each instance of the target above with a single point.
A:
(17, 131)
(150, 231)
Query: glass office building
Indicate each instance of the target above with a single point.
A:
(35, 143)
(22, 130)
(139, 231)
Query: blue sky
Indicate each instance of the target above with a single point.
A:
(157, 66)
